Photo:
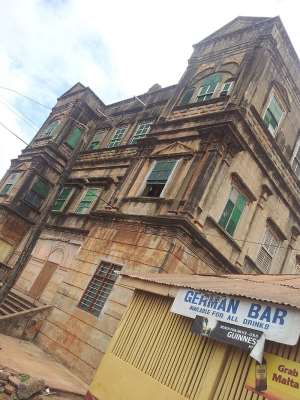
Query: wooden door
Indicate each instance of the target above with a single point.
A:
(42, 279)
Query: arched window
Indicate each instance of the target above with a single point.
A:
(208, 87)
(187, 95)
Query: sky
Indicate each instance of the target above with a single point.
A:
(119, 48)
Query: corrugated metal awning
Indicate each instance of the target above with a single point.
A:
(279, 289)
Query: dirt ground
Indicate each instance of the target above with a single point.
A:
(25, 357)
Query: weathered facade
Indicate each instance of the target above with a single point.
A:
(199, 177)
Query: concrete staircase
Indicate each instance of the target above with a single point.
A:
(15, 303)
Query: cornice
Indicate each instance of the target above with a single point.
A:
(172, 223)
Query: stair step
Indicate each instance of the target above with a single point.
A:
(2, 312)
(8, 309)
(14, 304)
(17, 303)
(18, 299)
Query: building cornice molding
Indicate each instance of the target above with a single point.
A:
(172, 223)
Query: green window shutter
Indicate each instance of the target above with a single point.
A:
(6, 189)
(141, 132)
(95, 143)
(41, 188)
(87, 201)
(236, 214)
(74, 138)
(161, 171)
(232, 211)
(275, 110)
(211, 80)
(61, 199)
(226, 213)
(207, 87)
(51, 128)
(187, 95)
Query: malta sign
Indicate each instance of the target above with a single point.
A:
(276, 378)
(278, 323)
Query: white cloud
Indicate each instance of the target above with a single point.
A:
(118, 48)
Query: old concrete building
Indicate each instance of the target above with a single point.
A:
(199, 177)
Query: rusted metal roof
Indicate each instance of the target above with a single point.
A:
(279, 289)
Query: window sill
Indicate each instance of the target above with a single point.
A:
(145, 199)
(228, 237)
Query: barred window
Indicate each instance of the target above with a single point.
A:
(117, 136)
(141, 131)
(267, 250)
(99, 288)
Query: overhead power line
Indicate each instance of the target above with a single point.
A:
(19, 114)
(13, 133)
(26, 97)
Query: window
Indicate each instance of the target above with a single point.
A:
(158, 177)
(9, 183)
(208, 87)
(38, 193)
(96, 141)
(117, 136)
(267, 250)
(73, 138)
(141, 131)
(99, 288)
(62, 198)
(87, 201)
(232, 211)
(187, 95)
(226, 89)
(273, 115)
(51, 128)
(296, 164)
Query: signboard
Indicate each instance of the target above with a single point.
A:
(244, 338)
(278, 323)
(276, 378)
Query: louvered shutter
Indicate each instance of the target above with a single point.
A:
(161, 172)
(74, 138)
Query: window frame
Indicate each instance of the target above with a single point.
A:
(239, 193)
(10, 182)
(101, 134)
(85, 191)
(167, 181)
(283, 109)
(68, 143)
(231, 83)
(36, 193)
(100, 292)
(112, 139)
(264, 249)
(45, 131)
(149, 124)
(66, 201)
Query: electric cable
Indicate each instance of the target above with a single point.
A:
(13, 133)
(26, 97)
(19, 114)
